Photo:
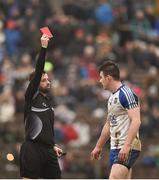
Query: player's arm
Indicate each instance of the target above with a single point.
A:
(105, 135)
(131, 103)
(34, 83)
(134, 115)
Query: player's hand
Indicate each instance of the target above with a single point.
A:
(96, 153)
(44, 41)
(58, 151)
(124, 153)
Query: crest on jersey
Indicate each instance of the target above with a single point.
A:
(115, 100)
(44, 104)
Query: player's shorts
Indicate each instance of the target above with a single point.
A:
(37, 161)
(132, 157)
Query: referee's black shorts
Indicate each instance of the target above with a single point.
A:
(38, 161)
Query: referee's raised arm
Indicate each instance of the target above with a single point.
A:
(35, 77)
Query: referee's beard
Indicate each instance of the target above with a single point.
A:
(45, 90)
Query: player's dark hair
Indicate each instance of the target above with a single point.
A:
(32, 75)
(110, 68)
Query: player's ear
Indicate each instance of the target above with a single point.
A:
(109, 77)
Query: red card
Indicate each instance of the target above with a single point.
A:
(45, 30)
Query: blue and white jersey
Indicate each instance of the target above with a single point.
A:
(118, 104)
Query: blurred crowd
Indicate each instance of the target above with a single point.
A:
(86, 33)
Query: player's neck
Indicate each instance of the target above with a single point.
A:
(115, 86)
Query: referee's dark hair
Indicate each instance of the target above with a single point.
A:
(110, 68)
(32, 74)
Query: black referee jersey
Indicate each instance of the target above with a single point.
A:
(38, 112)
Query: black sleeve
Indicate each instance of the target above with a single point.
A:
(34, 83)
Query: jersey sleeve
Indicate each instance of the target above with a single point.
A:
(128, 99)
(34, 83)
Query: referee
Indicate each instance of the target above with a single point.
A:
(38, 155)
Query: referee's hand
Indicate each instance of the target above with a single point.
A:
(58, 151)
(96, 153)
(44, 41)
